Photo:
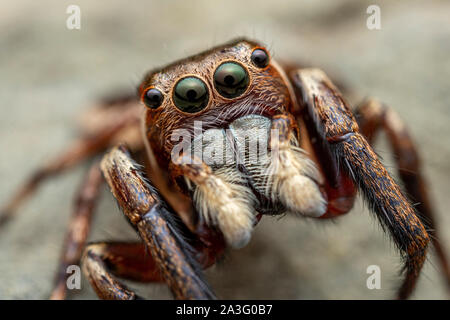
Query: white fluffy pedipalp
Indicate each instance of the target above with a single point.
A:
(292, 179)
(224, 202)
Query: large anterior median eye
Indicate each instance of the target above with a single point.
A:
(190, 95)
(231, 79)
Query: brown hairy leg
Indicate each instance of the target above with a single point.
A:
(373, 116)
(335, 125)
(104, 261)
(78, 151)
(79, 227)
(179, 262)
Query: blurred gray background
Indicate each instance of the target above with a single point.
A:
(49, 74)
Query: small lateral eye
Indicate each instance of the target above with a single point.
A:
(260, 58)
(190, 95)
(153, 98)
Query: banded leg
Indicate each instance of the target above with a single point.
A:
(335, 125)
(372, 116)
(78, 230)
(160, 229)
(77, 152)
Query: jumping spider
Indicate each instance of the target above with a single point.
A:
(187, 210)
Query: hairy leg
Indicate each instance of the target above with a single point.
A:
(78, 151)
(334, 124)
(373, 116)
(78, 230)
(179, 262)
(104, 261)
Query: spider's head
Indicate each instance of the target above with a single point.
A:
(219, 105)
(215, 87)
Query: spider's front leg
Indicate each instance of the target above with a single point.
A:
(372, 117)
(178, 262)
(334, 124)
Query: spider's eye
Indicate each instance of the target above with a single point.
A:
(231, 79)
(260, 58)
(153, 98)
(190, 95)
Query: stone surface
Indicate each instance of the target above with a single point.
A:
(49, 74)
